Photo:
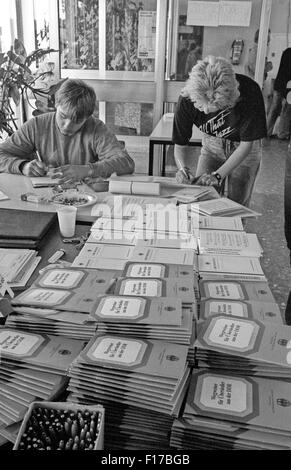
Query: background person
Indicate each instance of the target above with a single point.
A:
(229, 109)
(72, 140)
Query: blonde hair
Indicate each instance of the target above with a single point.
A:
(212, 81)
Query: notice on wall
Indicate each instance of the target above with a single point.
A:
(146, 47)
(222, 13)
(203, 13)
(235, 13)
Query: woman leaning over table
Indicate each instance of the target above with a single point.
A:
(229, 109)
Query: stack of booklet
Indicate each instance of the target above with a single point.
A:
(17, 265)
(252, 300)
(20, 386)
(132, 428)
(244, 346)
(44, 353)
(227, 412)
(161, 318)
(226, 242)
(60, 301)
(147, 374)
(230, 266)
(222, 207)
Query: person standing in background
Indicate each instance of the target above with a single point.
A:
(229, 109)
(279, 96)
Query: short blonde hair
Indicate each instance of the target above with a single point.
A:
(212, 81)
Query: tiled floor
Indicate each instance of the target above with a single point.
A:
(268, 200)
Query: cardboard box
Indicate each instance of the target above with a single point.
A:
(99, 443)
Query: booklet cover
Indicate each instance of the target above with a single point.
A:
(236, 290)
(130, 309)
(229, 264)
(153, 287)
(254, 402)
(55, 352)
(215, 223)
(164, 255)
(74, 279)
(157, 270)
(153, 358)
(229, 242)
(248, 339)
(262, 311)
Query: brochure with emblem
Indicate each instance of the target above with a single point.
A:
(262, 311)
(164, 255)
(54, 353)
(236, 290)
(133, 309)
(216, 223)
(106, 256)
(251, 402)
(244, 341)
(186, 241)
(157, 372)
(153, 287)
(228, 242)
(229, 264)
(157, 270)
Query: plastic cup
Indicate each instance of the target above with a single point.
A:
(67, 220)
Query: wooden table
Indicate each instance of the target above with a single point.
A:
(162, 135)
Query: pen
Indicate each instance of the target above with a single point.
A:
(38, 156)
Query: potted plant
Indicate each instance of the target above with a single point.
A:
(18, 83)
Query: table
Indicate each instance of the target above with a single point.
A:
(162, 135)
(15, 185)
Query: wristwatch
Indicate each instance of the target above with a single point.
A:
(217, 176)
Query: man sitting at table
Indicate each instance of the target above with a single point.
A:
(71, 143)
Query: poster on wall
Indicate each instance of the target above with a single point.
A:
(146, 35)
(222, 13)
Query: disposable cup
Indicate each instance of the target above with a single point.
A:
(67, 220)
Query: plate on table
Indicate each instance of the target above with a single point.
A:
(74, 198)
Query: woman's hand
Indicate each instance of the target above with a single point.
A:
(207, 179)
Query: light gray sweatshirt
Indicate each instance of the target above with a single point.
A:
(93, 143)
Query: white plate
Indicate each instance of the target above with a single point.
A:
(74, 198)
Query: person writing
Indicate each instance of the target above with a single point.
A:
(229, 109)
(71, 143)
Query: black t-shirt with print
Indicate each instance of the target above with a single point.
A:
(246, 121)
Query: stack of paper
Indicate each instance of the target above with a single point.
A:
(103, 256)
(45, 353)
(156, 318)
(157, 287)
(147, 374)
(17, 265)
(222, 207)
(20, 386)
(226, 412)
(235, 290)
(48, 322)
(263, 311)
(132, 428)
(215, 223)
(181, 256)
(162, 270)
(232, 344)
(226, 242)
(236, 267)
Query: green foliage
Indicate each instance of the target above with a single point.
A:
(16, 79)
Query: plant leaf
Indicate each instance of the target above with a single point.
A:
(19, 48)
(15, 95)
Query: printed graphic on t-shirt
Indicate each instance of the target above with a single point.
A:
(216, 125)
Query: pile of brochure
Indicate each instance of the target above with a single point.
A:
(229, 343)
(144, 373)
(226, 412)
(160, 318)
(222, 207)
(60, 301)
(17, 265)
